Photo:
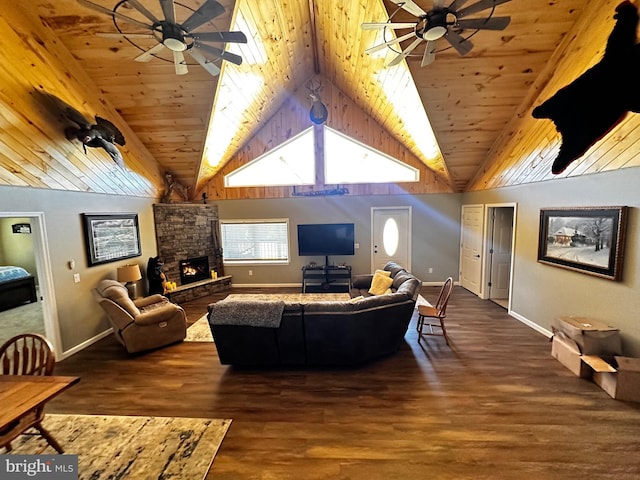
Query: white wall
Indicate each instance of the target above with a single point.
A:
(542, 292)
(80, 317)
(435, 241)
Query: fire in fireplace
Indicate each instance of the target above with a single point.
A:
(194, 269)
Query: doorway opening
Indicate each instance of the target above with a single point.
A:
(499, 241)
(36, 257)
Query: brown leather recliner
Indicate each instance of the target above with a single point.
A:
(141, 324)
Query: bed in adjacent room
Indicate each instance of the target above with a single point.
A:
(17, 286)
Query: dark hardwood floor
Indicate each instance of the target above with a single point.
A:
(495, 405)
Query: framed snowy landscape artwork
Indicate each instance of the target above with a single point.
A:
(585, 239)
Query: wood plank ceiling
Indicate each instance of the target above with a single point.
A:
(469, 100)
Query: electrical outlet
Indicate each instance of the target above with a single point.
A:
(356, 245)
(430, 270)
(250, 273)
(76, 278)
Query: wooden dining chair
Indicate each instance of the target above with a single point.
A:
(432, 316)
(27, 354)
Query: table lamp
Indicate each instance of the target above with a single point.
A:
(129, 274)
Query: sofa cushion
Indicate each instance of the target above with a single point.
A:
(333, 307)
(400, 278)
(379, 301)
(394, 268)
(380, 284)
(410, 288)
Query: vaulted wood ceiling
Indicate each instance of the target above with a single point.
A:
(474, 103)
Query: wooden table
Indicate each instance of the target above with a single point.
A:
(20, 394)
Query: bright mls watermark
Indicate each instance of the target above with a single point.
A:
(50, 467)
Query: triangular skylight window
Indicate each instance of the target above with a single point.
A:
(349, 161)
(346, 161)
(291, 163)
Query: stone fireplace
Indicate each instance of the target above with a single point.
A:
(194, 269)
(184, 232)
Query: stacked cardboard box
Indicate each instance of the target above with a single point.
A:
(591, 348)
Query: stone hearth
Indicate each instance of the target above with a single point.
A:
(185, 230)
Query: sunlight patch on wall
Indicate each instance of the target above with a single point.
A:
(401, 92)
(235, 94)
(238, 89)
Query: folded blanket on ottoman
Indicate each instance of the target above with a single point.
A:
(253, 313)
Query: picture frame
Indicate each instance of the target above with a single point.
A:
(584, 239)
(110, 237)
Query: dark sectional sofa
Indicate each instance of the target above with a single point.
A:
(323, 333)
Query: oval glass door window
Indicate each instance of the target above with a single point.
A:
(390, 236)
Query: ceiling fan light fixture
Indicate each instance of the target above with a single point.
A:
(434, 33)
(174, 44)
(172, 37)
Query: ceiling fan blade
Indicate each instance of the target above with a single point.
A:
(180, 64)
(377, 48)
(438, 3)
(231, 37)
(138, 6)
(493, 23)
(458, 42)
(429, 54)
(146, 56)
(410, 7)
(404, 54)
(478, 7)
(231, 57)
(124, 35)
(392, 26)
(207, 64)
(101, 9)
(456, 4)
(168, 10)
(207, 11)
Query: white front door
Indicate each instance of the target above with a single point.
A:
(391, 236)
(500, 251)
(471, 248)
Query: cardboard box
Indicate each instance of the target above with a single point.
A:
(567, 352)
(593, 337)
(621, 380)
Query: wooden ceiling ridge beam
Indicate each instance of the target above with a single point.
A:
(535, 91)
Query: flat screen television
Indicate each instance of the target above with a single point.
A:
(325, 239)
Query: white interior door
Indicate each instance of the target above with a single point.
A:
(500, 251)
(391, 236)
(471, 248)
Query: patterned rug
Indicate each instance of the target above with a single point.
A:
(199, 331)
(135, 448)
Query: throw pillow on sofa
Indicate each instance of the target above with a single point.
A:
(380, 284)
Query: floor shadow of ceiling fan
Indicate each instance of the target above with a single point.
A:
(439, 22)
(174, 36)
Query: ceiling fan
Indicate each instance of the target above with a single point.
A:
(441, 21)
(174, 36)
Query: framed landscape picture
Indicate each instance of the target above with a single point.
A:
(111, 237)
(586, 239)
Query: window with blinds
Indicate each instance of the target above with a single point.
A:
(255, 241)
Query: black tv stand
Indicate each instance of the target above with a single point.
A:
(326, 279)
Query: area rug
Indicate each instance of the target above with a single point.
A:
(135, 448)
(199, 331)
